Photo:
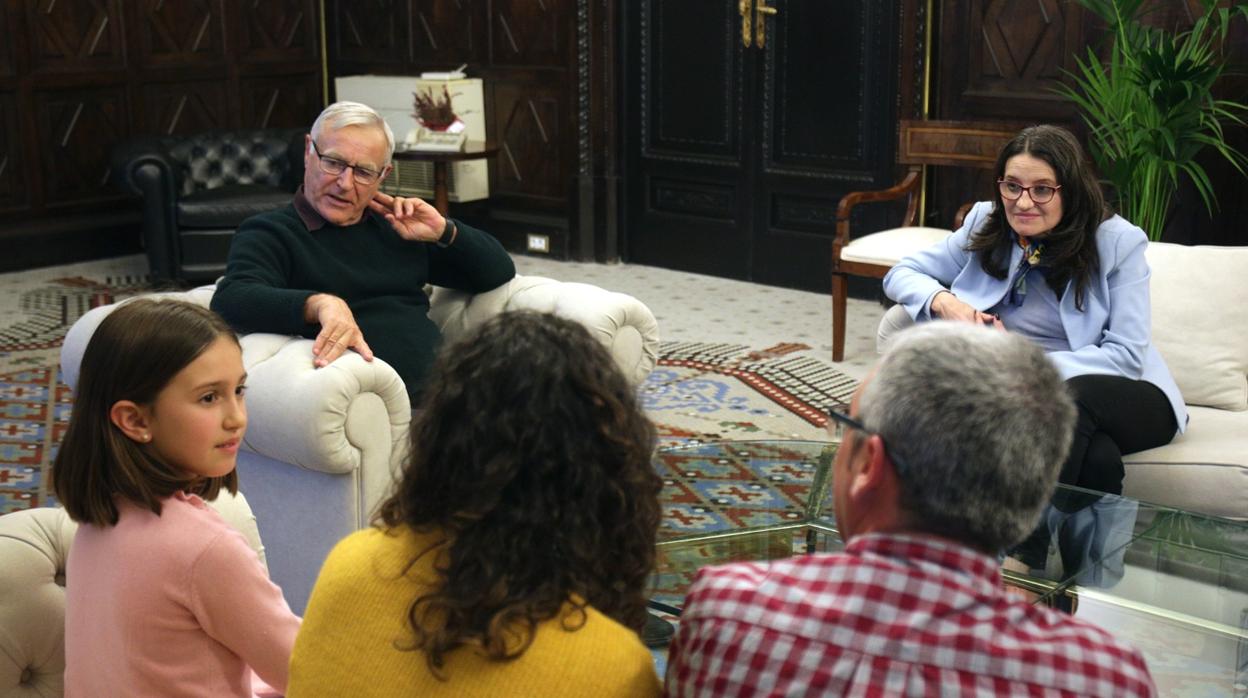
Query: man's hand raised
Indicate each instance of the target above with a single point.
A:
(338, 329)
(412, 219)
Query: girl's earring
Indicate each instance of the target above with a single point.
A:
(147, 437)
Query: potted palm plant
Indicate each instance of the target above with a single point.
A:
(1150, 106)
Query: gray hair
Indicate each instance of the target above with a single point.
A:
(342, 114)
(978, 422)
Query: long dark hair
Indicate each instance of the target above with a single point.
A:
(132, 355)
(1070, 248)
(532, 457)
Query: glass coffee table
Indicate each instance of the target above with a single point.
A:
(739, 500)
(1171, 582)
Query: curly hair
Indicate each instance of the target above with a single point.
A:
(1070, 248)
(532, 457)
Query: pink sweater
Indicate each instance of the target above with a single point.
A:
(175, 604)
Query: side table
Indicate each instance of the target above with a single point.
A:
(473, 150)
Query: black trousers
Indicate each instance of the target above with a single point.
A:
(1116, 416)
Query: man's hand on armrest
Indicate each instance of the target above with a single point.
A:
(338, 329)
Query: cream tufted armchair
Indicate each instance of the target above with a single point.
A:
(323, 445)
(34, 546)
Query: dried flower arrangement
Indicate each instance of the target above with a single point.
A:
(434, 111)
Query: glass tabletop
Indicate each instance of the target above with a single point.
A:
(739, 500)
(1121, 556)
(1172, 582)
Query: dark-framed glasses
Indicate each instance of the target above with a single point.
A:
(840, 423)
(335, 167)
(1039, 193)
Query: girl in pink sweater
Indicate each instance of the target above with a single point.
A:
(162, 596)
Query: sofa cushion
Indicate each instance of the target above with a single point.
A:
(1203, 469)
(226, 207)
(1200, 324)
(888, 247)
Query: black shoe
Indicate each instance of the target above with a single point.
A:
(657, 633)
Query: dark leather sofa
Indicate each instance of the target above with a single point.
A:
(197, 189)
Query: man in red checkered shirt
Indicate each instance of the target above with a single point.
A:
(951, 448)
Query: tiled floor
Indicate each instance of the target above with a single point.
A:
(694, 307)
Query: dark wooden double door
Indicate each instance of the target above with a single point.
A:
(737, 155)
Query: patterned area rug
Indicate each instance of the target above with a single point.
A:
(699, 392)
(34, 402)
(729, 392)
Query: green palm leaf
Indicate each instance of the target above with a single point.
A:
(1149, 106)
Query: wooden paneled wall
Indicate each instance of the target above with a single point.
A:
(534, 59)
(1002, 59)
(78, 76)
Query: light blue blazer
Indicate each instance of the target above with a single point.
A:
(1112, 335)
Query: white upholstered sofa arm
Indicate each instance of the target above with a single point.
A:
(621, 322)
(321, 419)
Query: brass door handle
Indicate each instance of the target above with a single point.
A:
(743, 7)
(761, 10)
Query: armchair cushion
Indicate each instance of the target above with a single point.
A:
(888, 247)
(228, 206)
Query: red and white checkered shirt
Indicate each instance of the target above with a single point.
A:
(892, 615)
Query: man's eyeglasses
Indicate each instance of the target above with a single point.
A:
(839, 422)
(1039, 193)
(334, 166)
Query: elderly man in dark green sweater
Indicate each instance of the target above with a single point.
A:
(346, 264)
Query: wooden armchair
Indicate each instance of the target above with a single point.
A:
(944, 143)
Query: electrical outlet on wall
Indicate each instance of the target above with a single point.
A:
(539, 243)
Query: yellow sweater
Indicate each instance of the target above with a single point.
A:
(357, 614)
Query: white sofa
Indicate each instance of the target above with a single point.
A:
(34, 546)
(1200, 326)
(322, 445)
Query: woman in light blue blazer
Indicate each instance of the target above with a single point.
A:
(1046, 258)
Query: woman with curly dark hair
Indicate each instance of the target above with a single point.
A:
(513, 555)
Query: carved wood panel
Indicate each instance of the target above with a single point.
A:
(811, 83)
(1002, 58)
(12, 193)
(279, 30)
(77, 77)
(7, 59)
(692, 83)
(280, 101)
(371, 31)
(529, 120)
(183, 108)
(188, 32)
(75, 35)
(741, 153)
(449, 33)
(531, 32)
(76, 130)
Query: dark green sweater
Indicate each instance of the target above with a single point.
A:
(276, 263)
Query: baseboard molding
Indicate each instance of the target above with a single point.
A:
(67, 239)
